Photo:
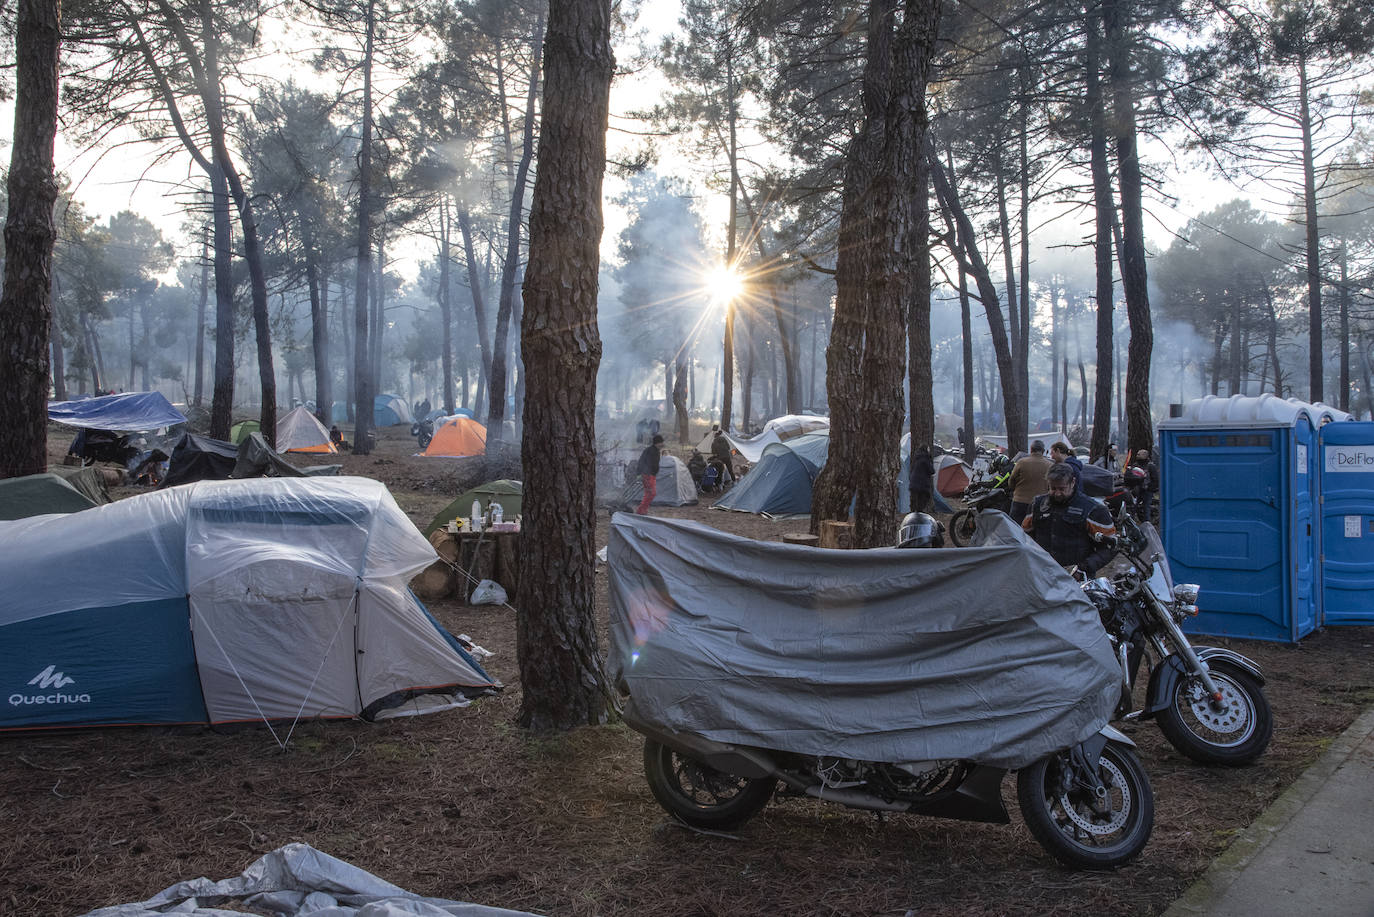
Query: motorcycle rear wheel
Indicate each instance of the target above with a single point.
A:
(962, 525)
(1233, 736)
(700, 795)
(1063, 819)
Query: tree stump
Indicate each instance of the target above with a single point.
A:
(438, 580)
(836, 534)
(806, 538)
(476, 560)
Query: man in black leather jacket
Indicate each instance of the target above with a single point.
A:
(1065, 521)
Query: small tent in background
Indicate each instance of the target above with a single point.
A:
(458, 436)
(39, 495)
(239, 431)
(390, 410)
(780, 483)
(674, 484)
(951, 476)
(200, 458)
(508, 493)
(299, 431)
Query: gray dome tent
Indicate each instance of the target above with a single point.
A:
(675, 486)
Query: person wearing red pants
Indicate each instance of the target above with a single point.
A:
(647, 469)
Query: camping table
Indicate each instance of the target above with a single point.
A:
(483, 555)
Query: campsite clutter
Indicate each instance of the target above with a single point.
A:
(117, 428)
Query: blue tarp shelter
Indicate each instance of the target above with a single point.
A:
(1239, 505)
(128, 412)
(220, 602)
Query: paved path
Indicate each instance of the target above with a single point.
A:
(1311, 853)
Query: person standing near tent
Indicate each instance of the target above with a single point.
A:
(721, 455)
(1028, 480)
(647, 469)
(1108, 460)
(922, 479)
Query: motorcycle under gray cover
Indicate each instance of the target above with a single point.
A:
(990, 653)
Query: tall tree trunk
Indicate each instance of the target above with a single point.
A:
(445, 306)
(728, 345)
(1139, 423)
(319, 335)
(1023, 132)
(26, 300)
(222, 400)
(362, 376)
(966, 335)
(201, 303)
(561, 676)
(1312, 237)
(876, 275)
(920, 379)
(965, 249)
(496, 389)
(59, 368)
(1102, 242)
(1344, 293)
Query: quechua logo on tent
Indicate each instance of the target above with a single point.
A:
(46, 680)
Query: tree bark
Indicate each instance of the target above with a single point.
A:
(563, 684)
(496, 388)
(362, 375)
(1102, 243)
(1139, 423)
(1312, 238)
(26, 300)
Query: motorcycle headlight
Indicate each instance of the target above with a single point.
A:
(1187, 593)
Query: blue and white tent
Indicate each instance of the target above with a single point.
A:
(221, 602)
(780, 483)
(390, 410)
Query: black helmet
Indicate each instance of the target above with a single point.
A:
(920, 531)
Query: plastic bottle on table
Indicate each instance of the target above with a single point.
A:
(476, 516)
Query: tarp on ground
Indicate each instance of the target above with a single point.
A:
(256, 459)
(296, 881)
(673, 483)
(457, 436)
(299, 431)
(780, 482)
(127, 412)
(777, 430)
(389, 410)
(239, 431)
(990, 653)
(39, 494)
(86, 478)
(223, 602)
(508, 493)
(200, 458)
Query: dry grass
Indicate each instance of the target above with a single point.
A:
(465, 805)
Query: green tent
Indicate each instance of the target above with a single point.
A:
(85, 478)
(38, 495)
(507, 493)
(239, 431)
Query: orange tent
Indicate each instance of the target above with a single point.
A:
(458, 436)
(299, 431)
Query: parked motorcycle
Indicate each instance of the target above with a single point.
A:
(1089, 805)
(1209, 702)
(964, 523)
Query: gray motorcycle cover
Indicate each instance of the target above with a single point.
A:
(990, 653)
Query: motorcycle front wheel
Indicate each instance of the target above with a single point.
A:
(699, 794)
(1077, 829)
(1236, 734)
(962, 525)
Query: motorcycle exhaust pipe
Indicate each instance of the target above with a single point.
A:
(855, 799)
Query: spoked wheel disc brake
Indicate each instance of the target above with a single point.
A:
(1077, 805)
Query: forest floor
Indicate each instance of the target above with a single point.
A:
(465, 805)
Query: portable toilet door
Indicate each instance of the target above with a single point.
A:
(1237, 503)
(1346, 506)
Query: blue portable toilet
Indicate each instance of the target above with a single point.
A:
(1346, 513)
(1239, 509)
